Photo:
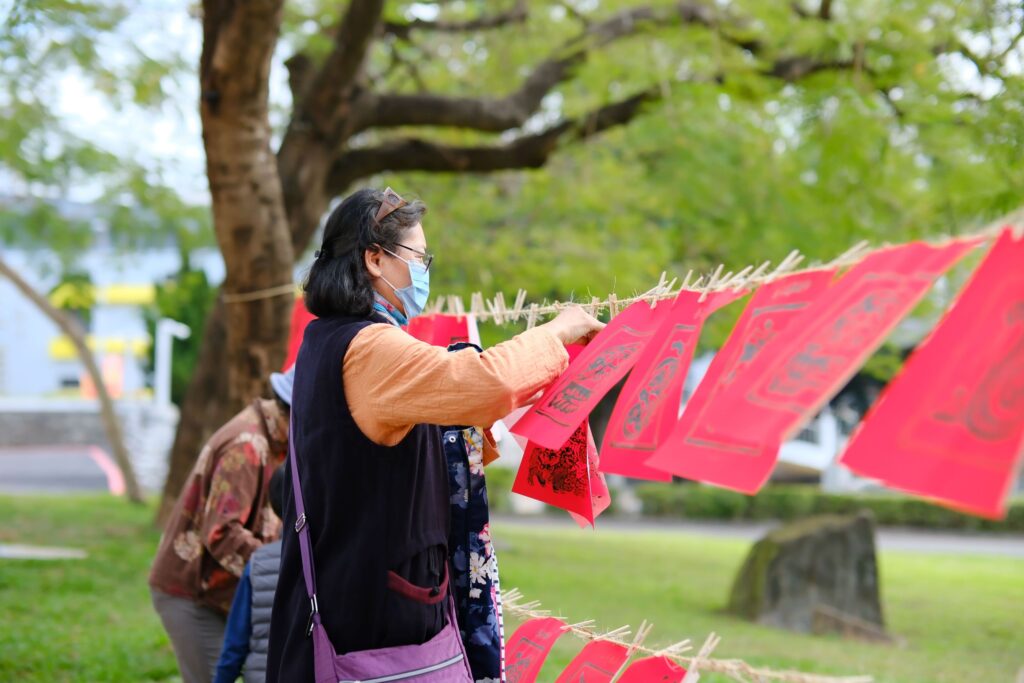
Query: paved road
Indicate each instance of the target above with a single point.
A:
(910, 540)
(50, 469)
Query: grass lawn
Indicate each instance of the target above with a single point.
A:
(91, 620)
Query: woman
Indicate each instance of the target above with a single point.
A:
(372, 470)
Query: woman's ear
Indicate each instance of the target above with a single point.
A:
(373, 257)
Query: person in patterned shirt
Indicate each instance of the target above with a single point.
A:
(222, 516)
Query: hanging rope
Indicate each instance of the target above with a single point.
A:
(738, 670)
(497, 310)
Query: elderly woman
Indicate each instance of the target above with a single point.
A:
(372, 471)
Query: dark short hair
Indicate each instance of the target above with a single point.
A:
(338, 283)
(275, 491)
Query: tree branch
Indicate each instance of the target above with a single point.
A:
(1012, 44)
(512, 111)
(404, 30)
(327, 101)
(300, 75)
(527, 151)
(74, 332)
(987, 65)
(795, 68)
(352, 40)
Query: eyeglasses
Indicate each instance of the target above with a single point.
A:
(426, 258)
(391, 203)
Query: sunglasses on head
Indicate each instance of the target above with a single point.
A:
(391, 203)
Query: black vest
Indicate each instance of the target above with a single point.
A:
(371, 509)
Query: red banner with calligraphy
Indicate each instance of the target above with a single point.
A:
(838, 334)
(950, 426)
(779, 391)
(600, 494)
(300, 318)
(653, 670)
(591, 375)
(648, 407)
(529, 646)
(597, 662)
(696, 449)
(565, 477)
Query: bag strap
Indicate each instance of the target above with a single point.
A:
(302, 529)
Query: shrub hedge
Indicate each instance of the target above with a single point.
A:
(792, 501)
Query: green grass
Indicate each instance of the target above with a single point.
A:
(80, 620)
(962, 618)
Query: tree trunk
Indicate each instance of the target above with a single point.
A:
(204, 408)
(246, 333)
(248, 209)
(74, 332)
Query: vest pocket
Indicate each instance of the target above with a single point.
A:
(424, 595)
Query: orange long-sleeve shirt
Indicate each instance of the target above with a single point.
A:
(393, 381)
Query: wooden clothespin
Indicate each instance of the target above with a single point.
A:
(687, 279)
(737, 281)
(498, 308)
(675, 650)
(613, 305)
(579, 626)
(641, 636)
(754, 277)
(852, 255)
(517, 309)
(705, 651)
(476, 305)
(654, 293)
(593, 306)
(531, 318)
(614, 634)
(785, 265)
(712, 282)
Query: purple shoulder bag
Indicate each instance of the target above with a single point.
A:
(442, 659)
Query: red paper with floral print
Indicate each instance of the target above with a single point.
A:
(529, 646)
(950, 426)
(591, 375)
(694, 449)
(780, 391)
(648, 406)
(600, 495)
(597, 662)
(439, 329)
(300, 318)
(564, 477)
(653, 670)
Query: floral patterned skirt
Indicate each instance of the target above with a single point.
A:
(474, 566)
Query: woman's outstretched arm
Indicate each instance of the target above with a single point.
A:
(393, 381)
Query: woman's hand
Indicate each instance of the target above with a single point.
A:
(574, 326)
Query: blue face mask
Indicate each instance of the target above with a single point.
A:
(414, 297)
